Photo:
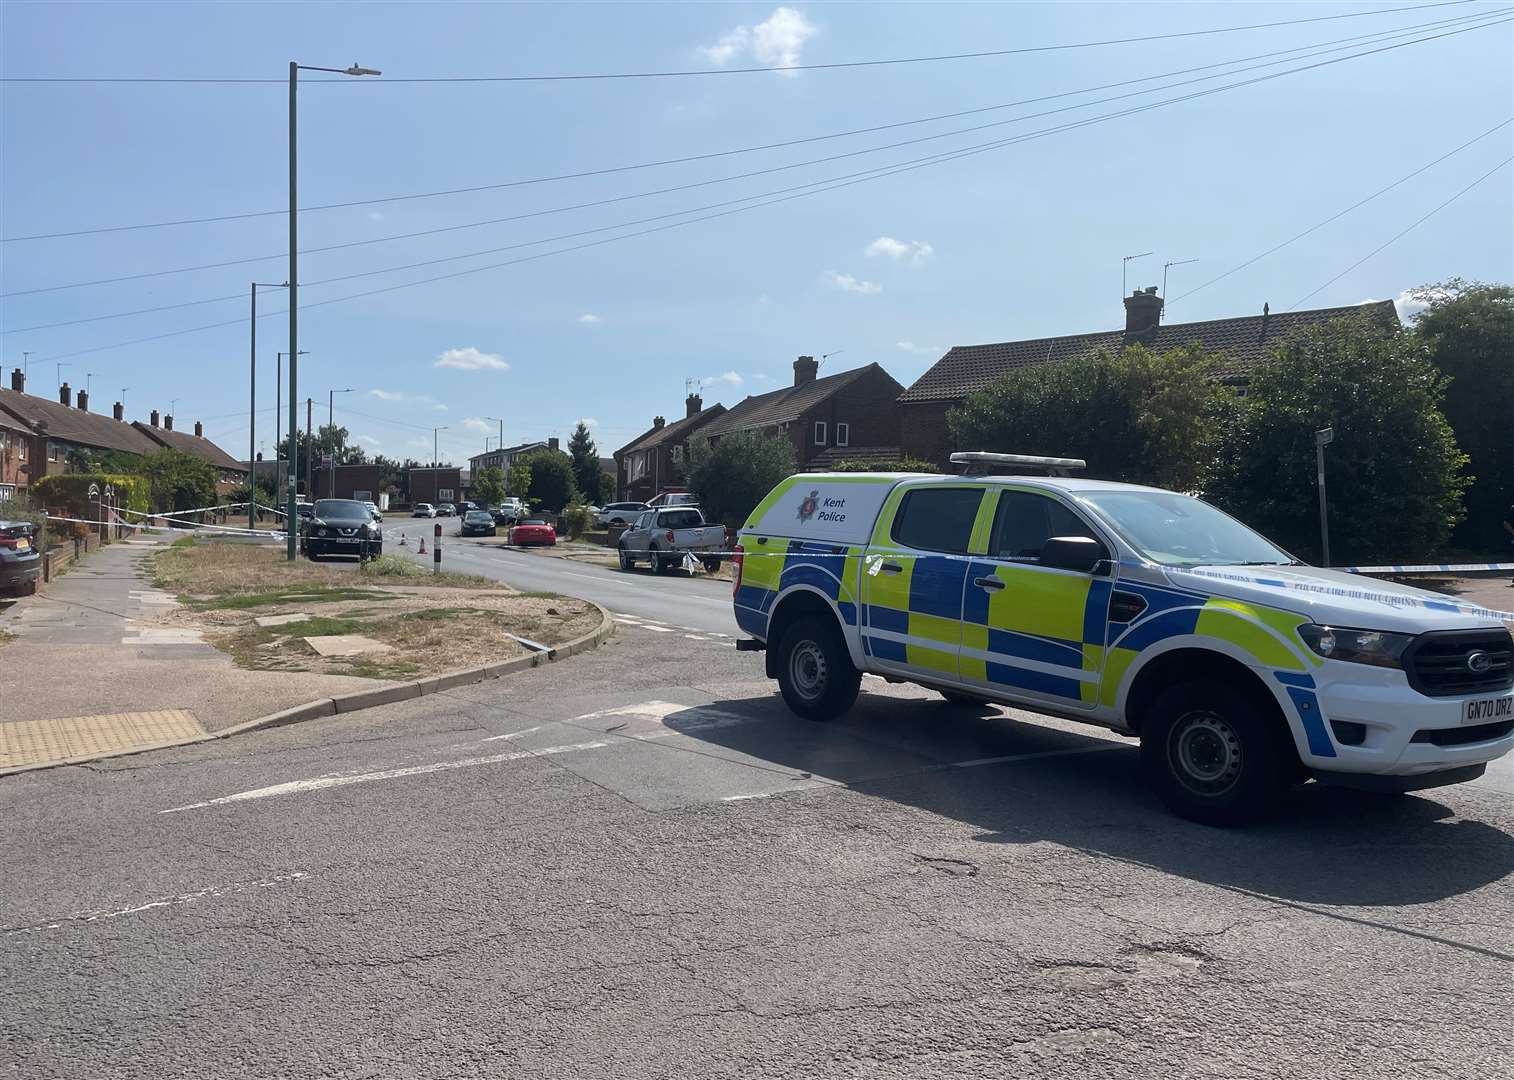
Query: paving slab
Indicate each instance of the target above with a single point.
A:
(282, 620)
(346, 645)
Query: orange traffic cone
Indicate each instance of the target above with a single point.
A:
(422, 549)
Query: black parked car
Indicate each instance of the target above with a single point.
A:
(341, 527)
(20, 561)
(477, 523)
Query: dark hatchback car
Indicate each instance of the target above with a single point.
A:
(342, 527)
(20, 561)
(477, 523)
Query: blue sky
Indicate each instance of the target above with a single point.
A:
(1017, 242)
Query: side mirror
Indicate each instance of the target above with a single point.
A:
(1080, 553)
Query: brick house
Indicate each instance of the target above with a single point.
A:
(361, 482)
(1243, 341)
(435, 484)
(39, 434)
(656, 460)
(852, 412)
(232, 473)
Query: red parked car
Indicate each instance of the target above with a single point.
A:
(532, 531)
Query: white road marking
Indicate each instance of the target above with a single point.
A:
(514, 734)
(167, 901)
(656, 629)
(744, 798)
(296, 787)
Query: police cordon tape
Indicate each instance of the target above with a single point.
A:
(201, 529)
(1428, 568)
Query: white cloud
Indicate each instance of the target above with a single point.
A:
(589, 320)
(473, 423)
(774, 42)
(387, 395)
(911, 347)
(731, 377)
(471, 359)
(367, 440)
(587, 421)
(916, 251)
(414, 399)
(847, 283)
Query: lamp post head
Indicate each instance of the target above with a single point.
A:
(355, 70)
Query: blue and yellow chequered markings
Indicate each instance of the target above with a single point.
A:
(1033, 633)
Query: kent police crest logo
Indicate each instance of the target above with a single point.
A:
(808, 507)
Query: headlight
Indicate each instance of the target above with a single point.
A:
(320, 531)
(1376, 647)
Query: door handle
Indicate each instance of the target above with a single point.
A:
(992, 583)
(891, 568)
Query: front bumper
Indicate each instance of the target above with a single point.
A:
(1403, 729)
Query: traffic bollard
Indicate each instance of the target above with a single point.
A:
(436, 550)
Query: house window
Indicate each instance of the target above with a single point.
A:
(819, 432)
(843, 434)
(444, 494)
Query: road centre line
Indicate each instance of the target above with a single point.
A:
(166, 901)
(515, 734)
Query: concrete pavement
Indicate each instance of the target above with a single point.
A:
(641, 865)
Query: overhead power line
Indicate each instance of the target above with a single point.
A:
(1340, 214)
(1324, 45)
(1400, 235)
(588, 173)
(812, 189)
(686, 73)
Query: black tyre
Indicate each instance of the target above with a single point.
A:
(711, 564)
(626, 562)
(658, 566)
(815, 673)
(1213, 755)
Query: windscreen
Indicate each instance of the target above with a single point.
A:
(680, 519)
(1179, 530)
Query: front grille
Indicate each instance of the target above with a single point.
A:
(1461, 736)
(1437, 662)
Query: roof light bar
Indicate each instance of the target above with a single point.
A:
(980, 463)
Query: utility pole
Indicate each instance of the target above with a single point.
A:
(501, 432)
(294, 280)
(26, 363)
(1322, 439)
(309, 449)
(252, 399)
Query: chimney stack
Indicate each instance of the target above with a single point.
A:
(199, 430)
(119, 412)
(65, 395)
(693, 405)
(1143, 316)
(552, 442)
(18, 381)
(153, 418)
(805, 370)
(657, 422)
(84, 400)
(167, 423)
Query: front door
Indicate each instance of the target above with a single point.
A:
(912, 580)
(1032, 631)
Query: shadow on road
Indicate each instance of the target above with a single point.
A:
(1327, 846)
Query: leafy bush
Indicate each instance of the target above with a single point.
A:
(394, 566)
(489, 486)
(904, 463)
(1393, 473)
(731, 476)
(576, 519)
(1136, 415)
(178, 481)
(551, 485)
(70, 492)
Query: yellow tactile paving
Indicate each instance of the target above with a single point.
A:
(27, 742)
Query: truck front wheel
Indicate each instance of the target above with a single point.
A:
(815, 674)
(1212, 755)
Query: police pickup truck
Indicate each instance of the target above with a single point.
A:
(1241, 670)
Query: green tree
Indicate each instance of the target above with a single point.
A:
(178, 481)
(518, 483)
(489, 486)
(732, 475)
(1394, 472)
(585, 455)
(1469, 332)
(1136, 415)
(606, 489)
(551, 486)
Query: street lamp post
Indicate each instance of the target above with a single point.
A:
(294, 275)
(501, 424)
(1322, 439)
(278, 473)
(252, 405)
(331, 427)
(435, 460)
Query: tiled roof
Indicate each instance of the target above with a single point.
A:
(873, 455)
(789, 403)
(191, 444)
(675, 432)
(75, 425)
(1243, 340)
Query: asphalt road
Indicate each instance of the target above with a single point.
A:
(637, 863)
(699, 602)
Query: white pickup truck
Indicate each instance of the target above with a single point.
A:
(1240, 669)
(664, 537)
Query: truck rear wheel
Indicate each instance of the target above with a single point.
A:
(1212, 755)
(815, 673)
